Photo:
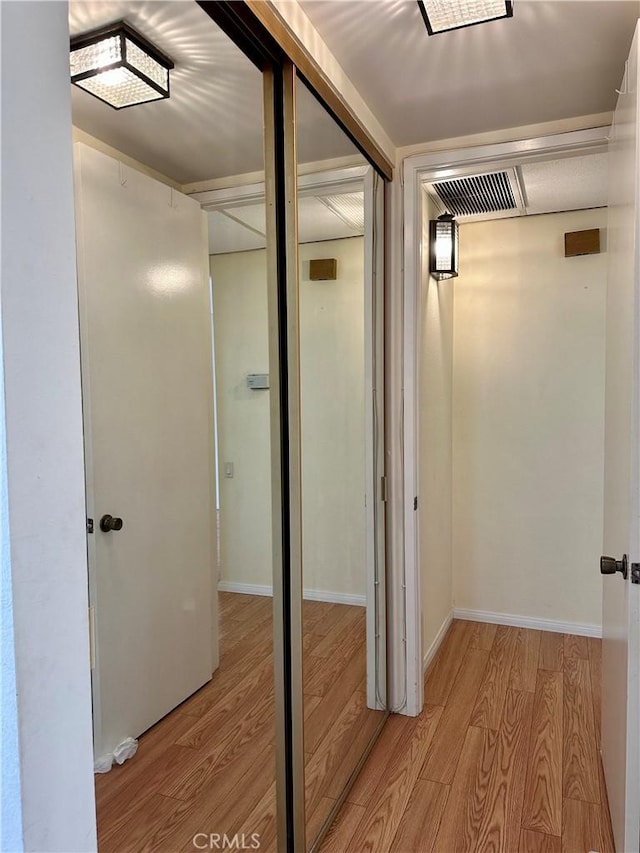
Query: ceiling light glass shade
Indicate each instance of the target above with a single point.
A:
(440, 16)
(119, 66)
(443, 247)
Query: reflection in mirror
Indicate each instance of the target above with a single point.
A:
(343, 606)
(177, 446)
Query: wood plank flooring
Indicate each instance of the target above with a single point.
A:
(504, 757)
(209, 766)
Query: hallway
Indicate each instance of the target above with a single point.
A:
(504, 757)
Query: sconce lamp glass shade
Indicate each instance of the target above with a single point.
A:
(119, 66)
(443, 247)
(440, 16)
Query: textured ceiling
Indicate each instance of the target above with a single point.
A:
(211, 126)
(552, 60)
(575, 183)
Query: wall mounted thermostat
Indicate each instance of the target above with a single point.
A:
(257, 381)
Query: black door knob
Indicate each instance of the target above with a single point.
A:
(609, 566)
(110, 522)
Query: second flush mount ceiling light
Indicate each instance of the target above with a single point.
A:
(440, 16)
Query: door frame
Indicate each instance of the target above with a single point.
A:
(417, 170)
(618, 739)
(361, 178)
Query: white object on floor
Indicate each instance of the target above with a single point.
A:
(123, 751)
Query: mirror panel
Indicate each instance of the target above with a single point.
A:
(343, 602)
(176, 377)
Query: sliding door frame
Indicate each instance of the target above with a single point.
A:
(259, 32)
(256, 27)
(286, 468)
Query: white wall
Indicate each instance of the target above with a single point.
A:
(333, 419)
(435, 388)
(10, 793)
(528, 406)
(332, 369)
(241, 347)
(45, 466)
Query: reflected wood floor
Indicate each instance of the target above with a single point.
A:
(209, 766)
(504, 757)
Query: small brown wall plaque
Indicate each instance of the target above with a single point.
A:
(582, 243)
(323, 269)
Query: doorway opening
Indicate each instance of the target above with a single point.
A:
(509, 374)
(429, 323)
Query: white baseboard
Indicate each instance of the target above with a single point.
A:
(308, 594)
(528, 622)
(335, 597)
(245, 588)
(435, 645)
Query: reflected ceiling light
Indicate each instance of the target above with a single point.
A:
(443, 247)
(440, 16)
(119, 66)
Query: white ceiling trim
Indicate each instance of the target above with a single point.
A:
(510, 134)
(329, 182)
(464, 161)
(233, 181)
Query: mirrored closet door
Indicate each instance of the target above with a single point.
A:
(231, 326)
(341, 420)
(176, 368)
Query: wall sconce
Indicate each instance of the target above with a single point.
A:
(443, 247)
(120, 67)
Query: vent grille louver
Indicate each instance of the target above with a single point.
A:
(349, 207)
(476, 195)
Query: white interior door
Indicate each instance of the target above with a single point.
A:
(621, 631)
(147, 387)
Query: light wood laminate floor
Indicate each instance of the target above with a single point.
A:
(504, 757)
(209, 766)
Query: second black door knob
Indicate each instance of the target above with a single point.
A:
(110, 522)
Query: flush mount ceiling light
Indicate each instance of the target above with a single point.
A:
(443, 247)
(119, 66)
(440, 16)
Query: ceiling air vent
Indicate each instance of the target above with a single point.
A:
(489, 196)
(348, 206)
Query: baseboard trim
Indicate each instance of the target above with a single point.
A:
(435, 645)
(308, 594)
(527, 622)
(245, 588)
(335, 597)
